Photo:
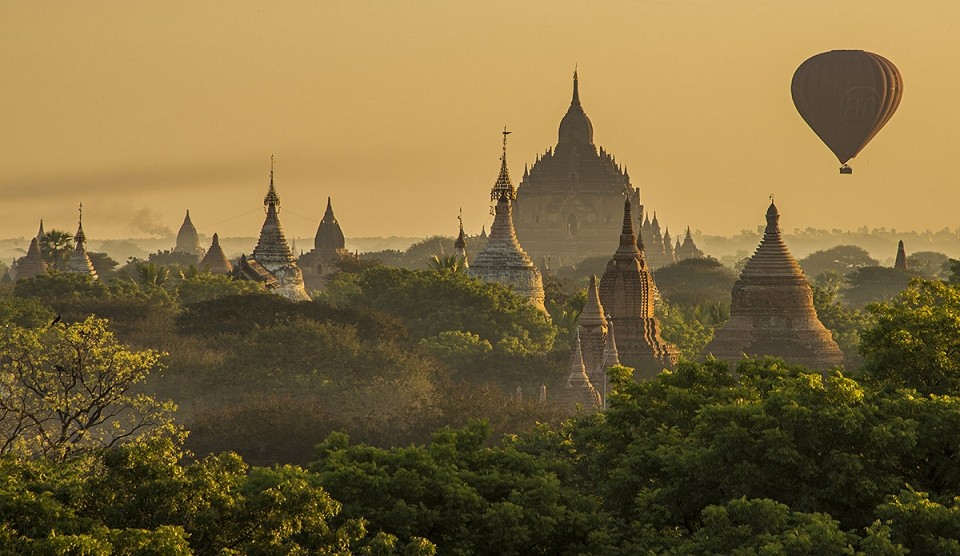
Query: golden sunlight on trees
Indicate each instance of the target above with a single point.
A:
(71, 387)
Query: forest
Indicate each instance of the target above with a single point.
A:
(166, 411)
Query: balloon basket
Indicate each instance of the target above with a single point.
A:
(846, 169)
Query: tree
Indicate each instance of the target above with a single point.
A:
(205, 286)
(842, 258)
(928, 264)
(915, 342)
(844, 323)
(447, 263)
(55, 248)
(695, 281)
(874, 283)
(102, 263)
(67, 388)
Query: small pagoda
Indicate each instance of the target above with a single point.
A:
(79, 262)
(188, 240)
(215, 261)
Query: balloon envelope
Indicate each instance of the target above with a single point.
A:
(846, 97)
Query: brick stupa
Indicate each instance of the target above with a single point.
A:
(215, 261)
(772, 310)
(32, 265)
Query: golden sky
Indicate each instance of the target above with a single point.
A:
(144, 109)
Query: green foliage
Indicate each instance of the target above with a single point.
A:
(929, 264)
(693, 282)
(447, 263)
(68, 388)
(102, 263)
(875, 283)
(915, 342)
(55, 248)
(844, 323)
(205, 286)
(842, 258)
(468, 498)
(430, 303)
(690, 328)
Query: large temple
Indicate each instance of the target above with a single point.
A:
(320, 263)
(772, 310)
(273, 253)
(627, 292)
(503, 260)
(568, 203)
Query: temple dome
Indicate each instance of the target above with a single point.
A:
(575, 127)
(188, 241)
(329, 235)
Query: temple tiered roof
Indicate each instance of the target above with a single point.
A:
(689, 249)
(273, 252)
(772, 310)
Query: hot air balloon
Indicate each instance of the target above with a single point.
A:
(846, 97)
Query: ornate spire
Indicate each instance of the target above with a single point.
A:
(575, 127)
(628, 241)
(503, 188)
(41, 233)
(271, 198)
(578, 391)
(610, 355)
(79, 262)
(901, 263)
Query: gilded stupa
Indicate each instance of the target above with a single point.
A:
(274, 254)
(627, 293)
(772, 310)
(503, 260)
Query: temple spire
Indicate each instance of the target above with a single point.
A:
(901, 262)
(503, 188)
(271, 198)
(576, 88)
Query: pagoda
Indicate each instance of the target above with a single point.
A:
(79, 262)
(627, 292)
(32, 265)
(901, 261)
(215, 261)
(568, 203)
(578, 392)
(329, 248)
(273, 253)
(188, 240)
(689, 249)
(772, 310)
(503, 260)
(460, 245)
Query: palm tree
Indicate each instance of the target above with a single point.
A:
(447, 263)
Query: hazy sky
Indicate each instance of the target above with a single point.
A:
(144, 109)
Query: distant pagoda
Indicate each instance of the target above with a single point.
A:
(329, 248)
(188, 240)
(460, 245)
(568, 203)
(32, 265)
(503, 260)
(689, 249)
(215, 261)
(772, 310)
(901, 262)
(273, 252)
(79, 262)
(627, 292)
